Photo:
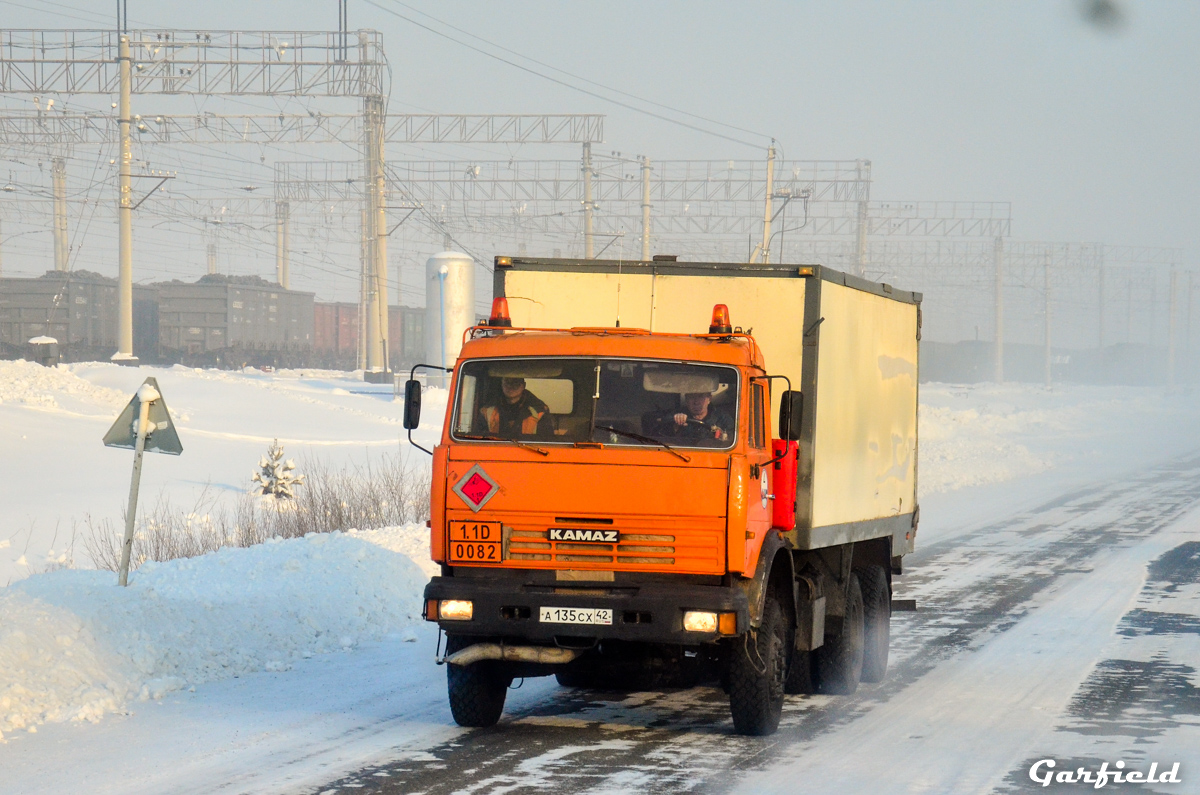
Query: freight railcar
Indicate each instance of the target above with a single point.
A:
(233, 321)
(336, 330)
(216, 321)
(77, 308)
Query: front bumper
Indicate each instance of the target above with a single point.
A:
(647, 612)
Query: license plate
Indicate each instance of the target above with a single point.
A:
(575, 615)
(475, 542)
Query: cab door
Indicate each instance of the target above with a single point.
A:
(759, 510)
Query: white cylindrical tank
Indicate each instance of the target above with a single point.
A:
(449, 308)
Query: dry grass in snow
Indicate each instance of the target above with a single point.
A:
(392, 492)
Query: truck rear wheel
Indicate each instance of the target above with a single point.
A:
(477, 691)
(838, 664)
(877, 615)
(758, 669)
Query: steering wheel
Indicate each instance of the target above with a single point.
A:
(707, 430)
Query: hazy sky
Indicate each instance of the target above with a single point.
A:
(1090, 132)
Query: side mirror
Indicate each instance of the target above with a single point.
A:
(791, 413)
(412, 404)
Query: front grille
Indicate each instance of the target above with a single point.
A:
(651, 549)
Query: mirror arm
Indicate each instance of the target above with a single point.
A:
(412, 376)
(774, 460)
(414, 444)
(768, 379)
(771, 377)
(777, 458)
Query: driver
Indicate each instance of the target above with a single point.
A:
(519, 412)
(697, 422)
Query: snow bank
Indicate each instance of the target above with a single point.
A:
(74, 646)
(32, 384)
(971, 435)
(411, 540)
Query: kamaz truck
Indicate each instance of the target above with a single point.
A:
(658, 473)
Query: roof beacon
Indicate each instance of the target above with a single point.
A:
(500, 317)
(720, 320)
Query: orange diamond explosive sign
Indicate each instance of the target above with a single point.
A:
(476, 488)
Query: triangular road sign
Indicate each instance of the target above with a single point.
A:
(161, 438)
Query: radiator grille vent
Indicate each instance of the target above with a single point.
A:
(648, 549)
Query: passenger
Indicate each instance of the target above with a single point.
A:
(519, 413)
(698, 422)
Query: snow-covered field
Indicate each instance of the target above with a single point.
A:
(973, 435)
(337, 616)
(55, 471)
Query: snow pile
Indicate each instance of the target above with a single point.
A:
(971, 435)
(969, 442)
(411, 540)
(74, 646)
(51, 667)
(32, 384)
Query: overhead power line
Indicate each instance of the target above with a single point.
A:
(580, 77)
(565, 84)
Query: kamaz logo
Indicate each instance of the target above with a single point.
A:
(593, 536)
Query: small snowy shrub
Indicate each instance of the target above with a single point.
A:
(276, 476)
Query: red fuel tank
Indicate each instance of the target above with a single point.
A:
(783, 481)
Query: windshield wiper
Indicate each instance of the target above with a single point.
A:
(641, 438)
(517, 442)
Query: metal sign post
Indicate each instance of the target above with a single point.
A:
(146, 394)
(145, 424)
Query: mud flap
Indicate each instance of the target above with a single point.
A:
(810, 623)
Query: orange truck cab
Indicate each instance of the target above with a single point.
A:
(623, 506)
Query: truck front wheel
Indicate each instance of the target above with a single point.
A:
(477, 691)
(757, 670)
(838, 664)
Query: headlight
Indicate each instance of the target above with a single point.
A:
(699, 621)
(707, 621)
(455, 610)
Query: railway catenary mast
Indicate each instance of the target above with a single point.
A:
(227, 63)
(29, 129)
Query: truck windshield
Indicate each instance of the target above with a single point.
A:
(615, 401)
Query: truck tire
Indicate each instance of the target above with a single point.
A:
(837, 665)
(477, 691)
(877, 616)
(758, 669)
